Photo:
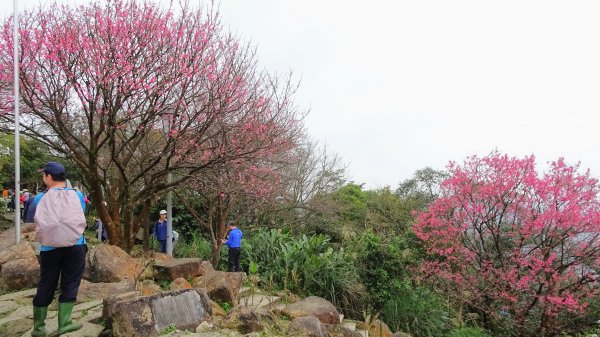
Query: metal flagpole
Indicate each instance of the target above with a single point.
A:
(17, 133)
(169, 217)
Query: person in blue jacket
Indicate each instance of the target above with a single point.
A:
(234, 242)
(160, 231)
(58, 263)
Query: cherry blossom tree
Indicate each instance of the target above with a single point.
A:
(513, 245)
(131, 92)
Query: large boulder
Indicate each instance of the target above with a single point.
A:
(108, 305)
(173, 269)
(23, 250)
(313, 306)
(20, 274)
(148, 316)
(108, 263)
(221, 286)
(308, 326)
(93, 291)
(19, 267)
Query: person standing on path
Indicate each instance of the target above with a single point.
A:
(160, 231)
(59, 219)
(234, 242)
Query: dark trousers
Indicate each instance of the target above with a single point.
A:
(233, 263)
(163, 246)
(66, 263)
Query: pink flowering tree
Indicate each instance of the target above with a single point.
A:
(515, 246)
(241, 187)
(130, 93)
(235, 192)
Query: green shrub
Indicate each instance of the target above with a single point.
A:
(468, 332)
(197, 246)
(416, 310)
(305, 265)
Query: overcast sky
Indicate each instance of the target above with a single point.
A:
(395, 86)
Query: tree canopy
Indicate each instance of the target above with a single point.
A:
(130, 92)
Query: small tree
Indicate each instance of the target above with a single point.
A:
(515, 246)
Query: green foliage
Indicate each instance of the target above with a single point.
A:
(195, 245)
(305, 265)
(226, 306)
(468, 332)
(169, 329)
(380, 264)
(33, 155)
(423, 188)
(3, 206)
(416, 310)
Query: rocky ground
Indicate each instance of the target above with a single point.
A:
(157, 295)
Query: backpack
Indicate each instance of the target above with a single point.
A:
(59, 219)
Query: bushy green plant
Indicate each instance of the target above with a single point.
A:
(306, 265)
(416, 310)
(196, 246)
(468, 332)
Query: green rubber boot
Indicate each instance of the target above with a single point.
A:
(65, 324)
(39, 326)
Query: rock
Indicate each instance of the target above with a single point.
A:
(313, 306)
(336, 330)
(162, 257)
(173, 269)
(20, 274)
(308, 326)
(89, 290)
(22, 250)
(221, 286)
(378, 328)
(147, 288)
(180, 283)
(109, 302)
(16, 328)
(108, 263)
(149, 315)
(203, 327)
(243, 319)
(206, 267)
(7, 307)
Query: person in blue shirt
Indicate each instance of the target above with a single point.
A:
(160, 231)
(234, 242)
(29, 209)
(64, 263)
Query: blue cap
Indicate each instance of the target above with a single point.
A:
(53, 168)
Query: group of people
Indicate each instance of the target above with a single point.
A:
(25, 199)
(59, 217)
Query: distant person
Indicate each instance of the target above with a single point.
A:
(99, 227)
(11, 202)
(160, 231)
(234, 242)
(59, 225)
(29, 209)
